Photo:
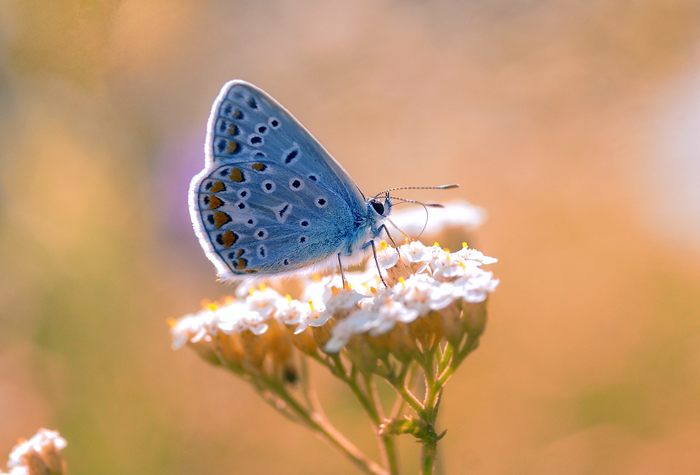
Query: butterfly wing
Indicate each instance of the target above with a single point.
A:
(270, 199)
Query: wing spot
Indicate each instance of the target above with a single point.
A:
(261, 233)
(262, 129)
(232, 129)
(232, 147)
(259, 154)
(268, 186)
(237, 114)
(321, 202)
(227, 238)
(282, 212)
(291, 156)
(237, 175)
(227, 109)
(221, 145)
(244, 193)
(236, 254)
(214, 201)
(285, 262)
(241, 205)
(274, 123)
(313, 178)
(302, 239)
(240, 264)
(221, 218)
(251, 222)
(252, 103)
(216, 187)
(295, 184)
(255, 140)
(259, 167)
(262, 251)
(304, 223)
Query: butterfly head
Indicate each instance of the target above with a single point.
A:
(379, 208)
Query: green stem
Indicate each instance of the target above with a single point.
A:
(428, 455)
(387, 442)
(433, 390)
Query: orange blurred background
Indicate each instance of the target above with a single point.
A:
(574, 124)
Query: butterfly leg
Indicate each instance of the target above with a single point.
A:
(374, 253)
(386, 230)
(342, 274)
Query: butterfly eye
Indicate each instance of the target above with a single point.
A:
(378, 207)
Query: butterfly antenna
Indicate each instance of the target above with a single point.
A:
(425, 207)
(435, 187)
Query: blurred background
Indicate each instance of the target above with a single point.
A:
(574, 124)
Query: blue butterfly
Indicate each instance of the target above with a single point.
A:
(271, 200)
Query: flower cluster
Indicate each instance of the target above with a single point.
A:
(40, 455)
(431, 293)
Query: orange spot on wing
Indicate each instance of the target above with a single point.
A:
(258, 167)
(221, 218)
(229, 238)
(232, 146)
(237, 175)
(232, 130)
(217, 187)
(214, 202)
(240, 264)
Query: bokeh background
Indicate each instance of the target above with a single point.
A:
(576, 125)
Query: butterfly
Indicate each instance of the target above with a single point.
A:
(271, 200)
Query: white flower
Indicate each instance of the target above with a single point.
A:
(469, 254)
(416, 251)
(358, 322)
(264, 301)
(387, 256)
(476, 287)
(424, 293)
(291, 312)
(454, 214)
(238, 317)
(44, 440)
(193, 328)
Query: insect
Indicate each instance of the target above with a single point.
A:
(271, 200)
